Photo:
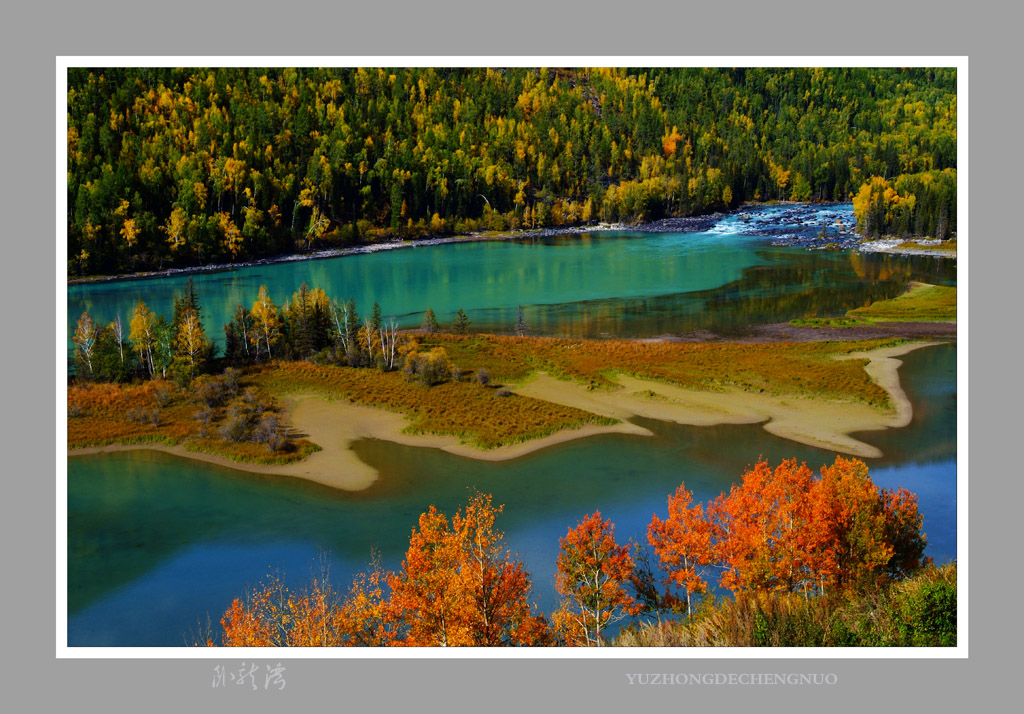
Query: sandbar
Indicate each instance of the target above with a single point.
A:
(814, 421)
(335, 425)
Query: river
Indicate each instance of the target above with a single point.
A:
(157, 543)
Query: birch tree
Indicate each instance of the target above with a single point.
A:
(142, 335)
(84, 340)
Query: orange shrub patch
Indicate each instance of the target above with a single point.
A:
(122, 414)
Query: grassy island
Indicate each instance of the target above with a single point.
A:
(496, 397)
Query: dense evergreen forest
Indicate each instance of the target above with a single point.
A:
(172, 167)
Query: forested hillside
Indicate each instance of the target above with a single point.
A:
(187, 166)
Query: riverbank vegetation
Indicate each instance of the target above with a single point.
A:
(810, 559)
(224, 415)
(917, 612)
(920, 303)
(160, 381)
(182, 167)
(921, 204)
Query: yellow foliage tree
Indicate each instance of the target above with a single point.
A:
(141, 333)
(175, 229)
(233, 239)
(266, 322)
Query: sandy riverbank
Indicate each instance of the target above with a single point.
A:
(825, 424)
(335, 425)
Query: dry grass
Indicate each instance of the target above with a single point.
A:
(109, 414)
(485, 416)
(806, 369)
(918, 611)
(474, 413)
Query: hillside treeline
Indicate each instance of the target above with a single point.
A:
(185, 166)
(917, 204)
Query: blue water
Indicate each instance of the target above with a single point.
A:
(157, 543)
(590, 285)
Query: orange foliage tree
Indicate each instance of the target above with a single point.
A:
(784, 529)
(682, 543)
(459, 586)
(593, 571)
(259, 619)
(778, 530)
(761, 527)
(848, 527)
(367, 617)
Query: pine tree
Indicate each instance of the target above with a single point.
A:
(376, 319)
(354, 322)
(461, 324)
(520, 327)
(188, 300)
(430, 324)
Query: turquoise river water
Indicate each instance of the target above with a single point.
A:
(157, 543)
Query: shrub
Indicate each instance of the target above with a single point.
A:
(924, 612)
(252, 402)
(144, 415)
(209, 390)
(204, 415)
(162, 395)
(269, 432)
(430, 367)
(75, 410)
(230, 380)
(483, 376)
(235, 428)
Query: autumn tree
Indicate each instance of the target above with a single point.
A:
(428, 590)
(272, 615)
(367, 617)
(257, 620)
(760, 528)
(84, 341)
(191, 347)
(903, 533)
(266, 323)
(784, 529)
(143, 334)
(459, 586)
(592, 578)
(233, 240)
(848, 538)
(497, 586)
(683, 544)
(174, 228)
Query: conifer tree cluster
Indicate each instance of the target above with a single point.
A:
(191, 166)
